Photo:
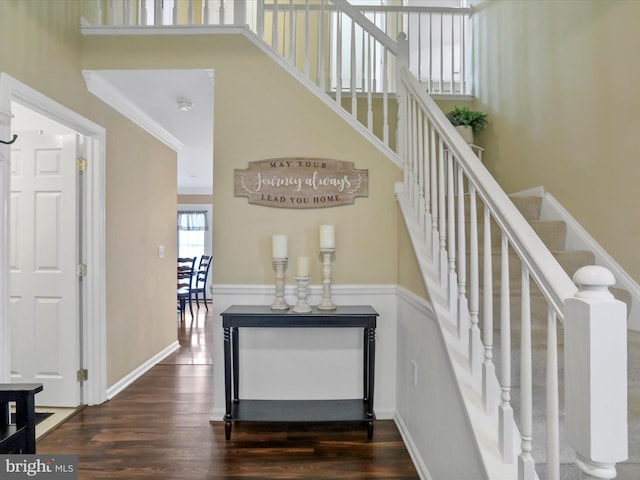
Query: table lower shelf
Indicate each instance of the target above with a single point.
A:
(292, 411)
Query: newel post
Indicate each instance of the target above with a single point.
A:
(595, 374)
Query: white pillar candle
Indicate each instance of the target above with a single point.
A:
(279, 244)
(327, 237)
(303, 267)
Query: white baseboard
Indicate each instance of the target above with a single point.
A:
(421, 468)
(124, 382)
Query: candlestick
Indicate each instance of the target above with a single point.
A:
(326, 303)
(279, 246)
(279, 303)
(302, 306)
(303, 267)
(327, 237)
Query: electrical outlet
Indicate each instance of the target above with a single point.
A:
(414, 372)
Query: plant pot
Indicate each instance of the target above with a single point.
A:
(466, 132)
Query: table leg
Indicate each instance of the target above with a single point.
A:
(235, 334)
(227, 382)
(5, 414)
(365, 366)
(371, 342)
(26, 415)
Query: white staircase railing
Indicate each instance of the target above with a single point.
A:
(347, 52)
(448, 190)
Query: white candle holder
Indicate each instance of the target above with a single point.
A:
(326, 303)
(279, 303)
(302, 306)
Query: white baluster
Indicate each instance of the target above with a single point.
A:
(452, 89)
(322, 67)
(475, 343)
(429, 81)
(274, 26)
(414, 155)
(126, 11)
(174, 14)
(221, 12)
(488, 368)
(292, 34)
(526, 464)
(442, 227)
(339, 58)
(505, 412)
(260, 19)
(552, 408)
(142, 12)
(240, 12)
(451, 229)
(157, 14)
(421, 175)
(463, 88)
(426, 148)
(370, 68)
(463, 307)
(385, 96)
(441, 83)
(112, 13)
(354, 97)
(595, 374)
(434, 198)
(307, 41)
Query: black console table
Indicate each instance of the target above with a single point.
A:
(247, 316)
(21, 436)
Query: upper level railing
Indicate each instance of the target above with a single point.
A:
(347, 51)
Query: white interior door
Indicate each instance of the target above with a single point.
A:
(45, 342)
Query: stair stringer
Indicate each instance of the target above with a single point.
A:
(483, 425)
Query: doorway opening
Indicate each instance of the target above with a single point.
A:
(90, 353)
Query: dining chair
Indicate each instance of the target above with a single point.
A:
(185, 276)
(200, 279)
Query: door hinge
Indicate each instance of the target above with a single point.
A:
(81, 163)
(81, 270)
(83, 375)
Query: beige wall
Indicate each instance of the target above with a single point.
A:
(559, 81)
(40, 45)
(206, 199)
(263, 112)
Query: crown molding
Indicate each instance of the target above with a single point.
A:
(106, 92)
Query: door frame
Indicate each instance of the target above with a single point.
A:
(93, 341)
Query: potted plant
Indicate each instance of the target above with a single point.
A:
(467, 122)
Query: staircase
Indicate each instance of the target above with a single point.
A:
(553, 234)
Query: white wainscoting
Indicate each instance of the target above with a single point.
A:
(308, 363)
(430, 411)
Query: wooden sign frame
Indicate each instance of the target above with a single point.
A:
(301, 183)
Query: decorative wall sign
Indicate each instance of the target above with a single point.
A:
(301, 183)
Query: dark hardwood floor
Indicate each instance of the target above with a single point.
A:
(159, 428)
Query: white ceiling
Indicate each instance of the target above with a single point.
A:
(150, 98)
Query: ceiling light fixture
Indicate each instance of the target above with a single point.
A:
(184, 104)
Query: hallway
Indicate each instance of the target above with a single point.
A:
(159, 428)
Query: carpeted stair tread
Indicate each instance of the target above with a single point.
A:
(554, 235)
